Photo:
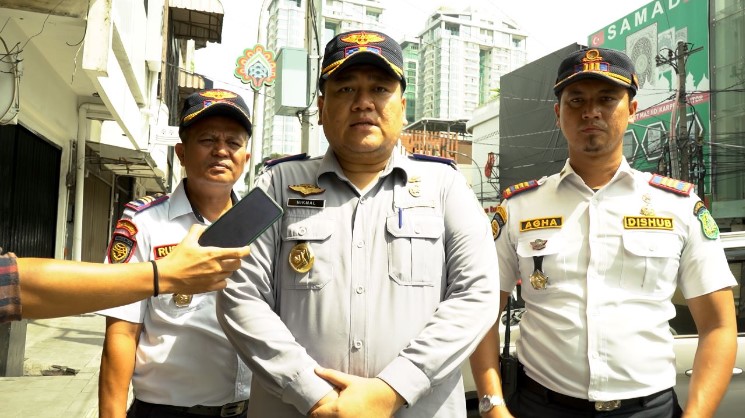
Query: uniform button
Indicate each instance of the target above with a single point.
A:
(357, 344)
(360, 289)
(362, 200)
(360, 244)
(302, 230)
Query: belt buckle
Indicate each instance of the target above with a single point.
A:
(232, 409)
(605, 406)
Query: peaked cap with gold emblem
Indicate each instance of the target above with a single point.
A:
(599, 63)
(214, 103)
(363, 47)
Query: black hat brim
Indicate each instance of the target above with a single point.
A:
(223, 108)
(591, 75)
(366, 58)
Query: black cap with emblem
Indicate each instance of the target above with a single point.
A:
(214, 103)
(363, 47)
(599, 63)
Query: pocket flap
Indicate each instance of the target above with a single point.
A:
(554, 244)
(415, 226)
(306, 229)
(650, 244)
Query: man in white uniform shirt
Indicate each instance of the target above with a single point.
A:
(601, 248)
(171, 346)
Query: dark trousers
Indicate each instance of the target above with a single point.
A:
(141, 409)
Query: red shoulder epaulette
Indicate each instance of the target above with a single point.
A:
(519, 188)
(671, 185)
(143, 203)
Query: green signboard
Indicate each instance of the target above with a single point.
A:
(650, 36)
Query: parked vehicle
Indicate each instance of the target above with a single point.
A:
(685, 343)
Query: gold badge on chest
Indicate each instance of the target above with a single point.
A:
(301, 257)
(181, 300)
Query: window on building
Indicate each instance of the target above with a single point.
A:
(453, 28)
(373, 16)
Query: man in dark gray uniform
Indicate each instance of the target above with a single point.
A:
(381, 277)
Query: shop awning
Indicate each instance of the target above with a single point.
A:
(127, 162)
(200, 20)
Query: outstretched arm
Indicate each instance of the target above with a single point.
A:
(52, 288)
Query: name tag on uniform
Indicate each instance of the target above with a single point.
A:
(647, 222)
(306, 203)
(541, 223)
(163, 250)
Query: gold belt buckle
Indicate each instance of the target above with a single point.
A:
(604, 406)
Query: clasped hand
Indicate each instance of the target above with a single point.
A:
(356, 397)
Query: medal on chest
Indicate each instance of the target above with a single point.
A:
(538, 278)
(181, 300)
(302, 257)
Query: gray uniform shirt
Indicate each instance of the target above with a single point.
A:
(403, 287)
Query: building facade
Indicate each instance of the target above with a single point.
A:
(462, 55)
(286, 28)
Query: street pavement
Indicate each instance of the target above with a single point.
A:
(74, 342)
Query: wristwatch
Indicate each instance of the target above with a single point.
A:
(488, 402)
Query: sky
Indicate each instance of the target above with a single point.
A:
(549, 25)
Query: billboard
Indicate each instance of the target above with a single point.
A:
(650, 36)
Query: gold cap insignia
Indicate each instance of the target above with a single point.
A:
(218, 94)
(362, 38)
(306, 189)
(302, 258)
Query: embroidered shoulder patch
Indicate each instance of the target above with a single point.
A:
(121, 248)
(671, 185)
(498, 221)
(441, 160)
(138, 205)
(519, 188)
(708, 224)
(296, 157)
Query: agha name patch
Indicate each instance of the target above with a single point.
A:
(541, 223)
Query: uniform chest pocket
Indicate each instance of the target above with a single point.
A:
(307, 253)
(650, 261)
(547, 246)
(416, 256)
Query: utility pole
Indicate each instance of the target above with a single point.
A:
(679, 163)
(313, 27)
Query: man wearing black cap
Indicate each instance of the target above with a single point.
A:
(601, 249)
(170, 346)
(379, 280)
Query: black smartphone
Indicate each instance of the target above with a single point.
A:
(244, 222)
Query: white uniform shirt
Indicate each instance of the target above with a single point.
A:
(403, 287)
(599, 330)
(183, 356)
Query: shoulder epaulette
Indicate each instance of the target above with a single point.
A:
(425, 157)
(519, 188)
(296, 157)
(138, 205)
(671, 185)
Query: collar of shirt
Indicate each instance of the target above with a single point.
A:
(181, 205)
(624, 171)
(330, 164)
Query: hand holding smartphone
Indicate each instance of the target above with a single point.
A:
(244, 222)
